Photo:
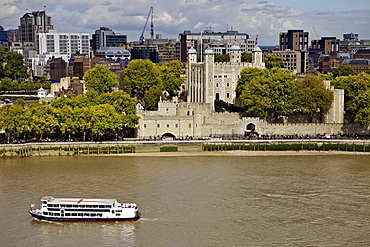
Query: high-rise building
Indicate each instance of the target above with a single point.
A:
(33, 23)
(62, 44)
(296, 40)
(105, 37)
(220, 42)
(3, 35)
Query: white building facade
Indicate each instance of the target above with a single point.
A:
(54, 44)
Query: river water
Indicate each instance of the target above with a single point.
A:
(194, 201)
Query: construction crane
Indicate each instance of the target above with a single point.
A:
(315, 32)
(150, 14)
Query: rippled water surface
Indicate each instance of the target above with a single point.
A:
(194, 201)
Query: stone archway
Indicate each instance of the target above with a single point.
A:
(168, 136)
(250, 130)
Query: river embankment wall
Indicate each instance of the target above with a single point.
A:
(183, 146)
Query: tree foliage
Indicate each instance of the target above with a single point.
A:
(14, 66)
(171, 78)
(312, 95)
(113, 112)
(224, 58)
(343, 70)
(274, 61)
(139, 76)
(143, 77)
(152, 98)
(100, 79)
(356, 90)
(246, 57)
(266, 93)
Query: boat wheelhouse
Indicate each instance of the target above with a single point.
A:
(71, 209)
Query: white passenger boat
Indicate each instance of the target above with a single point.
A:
(65, 209)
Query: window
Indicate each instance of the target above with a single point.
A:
(158, 125)
(144, 127)
(227, 95)
(189, 125)
(168, 125)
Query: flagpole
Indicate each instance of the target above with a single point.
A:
(201, 47)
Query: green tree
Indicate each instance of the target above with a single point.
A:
(362, 102)
(171, 77)
(67, 121)
(14, 119)
(139, 76)
(8, 84)
(43, 118)
(354, 86)
(152, 98)
(246, 57)
(274, 60)
(15, 67)
(312, 96)
(2, 61)
(224, 58)
(121, 101)
(247, 75)
(104, 117)
(266, 92)
(83, 118)
(100, 79)
(343, 70)
(255, 97)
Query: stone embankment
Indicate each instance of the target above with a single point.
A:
(236, 147)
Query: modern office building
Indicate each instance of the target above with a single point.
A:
(296, 40)
(105, 37)
(62, 44)
(326, 45)
(33, 23)
(219, 42)
(295, 61)
(352, 44)
(145, 52)
(3, 36)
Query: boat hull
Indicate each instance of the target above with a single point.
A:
(89, 219)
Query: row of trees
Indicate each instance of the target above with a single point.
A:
(274, 93)
(91, 116)
(101, 110)
(356, 97)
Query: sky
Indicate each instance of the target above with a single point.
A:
(265, 18)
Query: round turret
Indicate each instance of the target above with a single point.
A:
(209, 51)
(192, 51)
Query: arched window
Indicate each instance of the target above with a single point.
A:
(217, 96)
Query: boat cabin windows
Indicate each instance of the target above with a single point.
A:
(51, 213)
(77, 206)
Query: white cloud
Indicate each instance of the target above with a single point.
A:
(266, 18)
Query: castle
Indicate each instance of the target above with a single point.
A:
(208, 81)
